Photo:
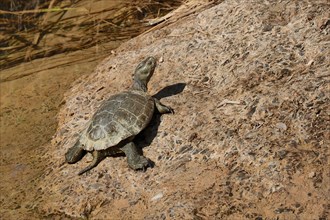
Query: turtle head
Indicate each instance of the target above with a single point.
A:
(143, 73)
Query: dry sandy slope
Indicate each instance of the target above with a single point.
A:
(249, 83)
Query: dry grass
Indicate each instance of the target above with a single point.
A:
(44, 28)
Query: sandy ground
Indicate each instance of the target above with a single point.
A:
(249, 83)
(30, 99)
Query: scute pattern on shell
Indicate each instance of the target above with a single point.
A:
(122, 116)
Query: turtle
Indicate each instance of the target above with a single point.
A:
(112, 129)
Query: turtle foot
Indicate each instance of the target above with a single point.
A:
(139, 163)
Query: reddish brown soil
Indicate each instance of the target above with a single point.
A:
(249, 139)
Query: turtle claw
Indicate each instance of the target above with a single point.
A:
(167, 109)
(142, 163)
(163, 108)
(143, 166)
(170, 110)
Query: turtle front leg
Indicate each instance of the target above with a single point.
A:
(134, 159)
(98, 156)
(163, 108)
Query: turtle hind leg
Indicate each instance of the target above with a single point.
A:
(134, 159)
(75, 153)
(98, 156)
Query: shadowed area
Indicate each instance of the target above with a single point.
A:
(170, 90)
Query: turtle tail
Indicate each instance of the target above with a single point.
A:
(98, 156)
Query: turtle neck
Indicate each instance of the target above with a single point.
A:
(139, 85)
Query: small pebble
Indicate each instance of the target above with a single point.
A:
(311, 175)
(157, 197)
(281, 126)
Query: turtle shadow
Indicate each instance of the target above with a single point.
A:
(145, 138)
(170, 90)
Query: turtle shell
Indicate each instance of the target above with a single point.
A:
(122, 116)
